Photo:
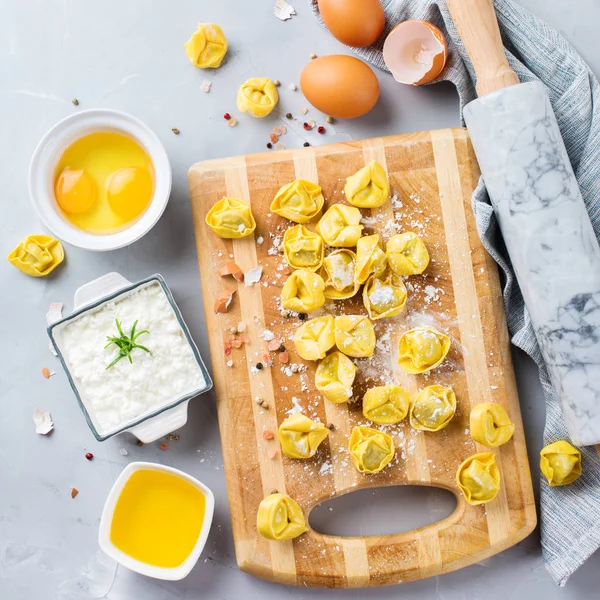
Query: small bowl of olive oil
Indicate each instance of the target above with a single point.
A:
(156, 520)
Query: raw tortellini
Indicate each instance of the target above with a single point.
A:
(407, 253)
(207, 46)
(335, 376)
(231, 218)
(338, 274)
(37, 255)
(370, 258)
(384, 296)
(340, 226)
(314, 338)
(422, 349)
(386, 404)
(303, 249)
(303, 291)
(370, 449)
(432, 408)
(355, 336)
(478, 478)
(298, 201)
(560, 463)
(369, 187)
(257, 97)
(300, 436)
(280, 518)
(490, 425)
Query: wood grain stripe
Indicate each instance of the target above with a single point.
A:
(261, 384)
(465, 294)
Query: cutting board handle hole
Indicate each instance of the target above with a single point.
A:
(382, 511)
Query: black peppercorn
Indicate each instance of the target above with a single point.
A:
(306, 144)
(269, 145)
(288, 116)
(259, 366)
(302, 316)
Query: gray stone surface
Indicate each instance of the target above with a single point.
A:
(129, 55)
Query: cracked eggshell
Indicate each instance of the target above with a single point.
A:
(356, 23)
(415, 52)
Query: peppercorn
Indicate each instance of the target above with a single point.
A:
(288, 115)
(227, 116)
(269, 145)
(259, 366)
(306, 144)
(331, 426)
(307, 126)
(302, 316)
(89, 456)
(321, 129)
(281, 348)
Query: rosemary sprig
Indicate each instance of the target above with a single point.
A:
(125, 343)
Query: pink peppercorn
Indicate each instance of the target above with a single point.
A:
(89, 456)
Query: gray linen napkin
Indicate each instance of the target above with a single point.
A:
(570, 515)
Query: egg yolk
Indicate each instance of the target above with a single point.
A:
(129, 191)
(74, 191)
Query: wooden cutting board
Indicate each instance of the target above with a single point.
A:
(432, 175)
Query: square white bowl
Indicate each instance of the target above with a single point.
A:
(169, 574)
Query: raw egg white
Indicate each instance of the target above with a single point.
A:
(339, 85)
(415, 52)
(356, 23)
(104, 182)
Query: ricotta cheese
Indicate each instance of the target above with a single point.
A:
(127, 391)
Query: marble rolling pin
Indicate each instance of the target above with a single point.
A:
(542, 217)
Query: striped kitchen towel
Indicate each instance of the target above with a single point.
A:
(570, 515)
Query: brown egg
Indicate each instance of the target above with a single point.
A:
(356, 23)
(339, 85)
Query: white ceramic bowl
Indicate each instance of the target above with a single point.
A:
(172, 574)
(51, 148)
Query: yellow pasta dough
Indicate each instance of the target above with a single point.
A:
(560, 463)
(334, 377)
(386, 404)
(407, 253)
(432, 408)
(478, 478)
(355, 336)
(207, 46)
(490, 425)
(340, 226)
(300, 436)
(370, 258)
(384, 296)
(257, 97)
(314, 338)
(37, 255)
(303, 249)
(369, 187)
(231, 218)
(422, 349)
(298, 201)
(280, 518)
(338, 274)
(370, 449)
(303, 291)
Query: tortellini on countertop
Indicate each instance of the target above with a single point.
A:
(314, 338)
(422, 349)
(257, 97)
(384, 296)
(303, 291)
(490, 425)
(37, 255)
(432, 408)
(340, 226)
(355, 336)
(370, 449)
(370, 258)
(231, 218)
(386, 404)
(368, 187)
(280, 517)
(338, 274)
(302, 248)
(207, 46)
(298, 201)
(407, 254)
(478, 478)
(560, 463)
(300, 437)
(334, 377)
